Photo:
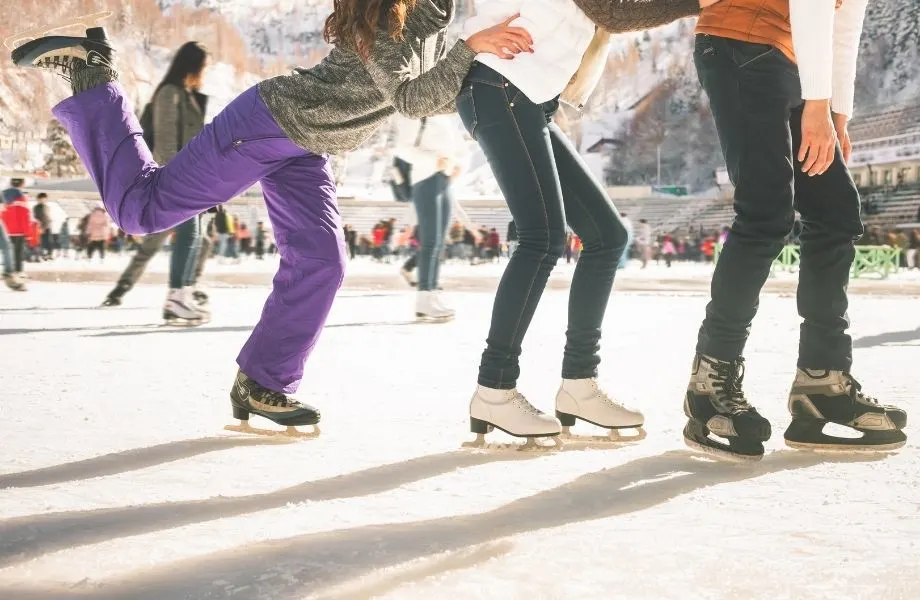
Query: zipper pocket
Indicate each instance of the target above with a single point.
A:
(239, 142)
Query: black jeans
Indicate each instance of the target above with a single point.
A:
(544, 182)
(431, 197)
(19, 251)
(756, 102)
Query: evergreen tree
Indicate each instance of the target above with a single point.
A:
(62, 160)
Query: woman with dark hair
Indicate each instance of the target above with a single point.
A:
(389, 56)
(178, 111)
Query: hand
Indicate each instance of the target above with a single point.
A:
(441, 163)
(705, 3)
(843, 136)
(502, 40)
(819, 140)
(456, 172)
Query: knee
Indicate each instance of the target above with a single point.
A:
(608, 235)
(549, 241)
(769, 227)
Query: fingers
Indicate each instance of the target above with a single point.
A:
(816, 155)
(847, 149)
(511, 18)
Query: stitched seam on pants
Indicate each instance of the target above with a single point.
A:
(533, 279)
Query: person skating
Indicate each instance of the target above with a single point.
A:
(436, 155)
(783, 154)
(17, 221)
(387, 57)
(178, 112)
(508, 108)
(10, 277)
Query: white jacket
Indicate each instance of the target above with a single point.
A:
(561, 33)
(441, 137)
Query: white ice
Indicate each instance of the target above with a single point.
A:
(117, 480)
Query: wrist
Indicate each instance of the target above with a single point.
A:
(818, 104)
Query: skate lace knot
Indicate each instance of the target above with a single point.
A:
(727, 380)
(856, 391)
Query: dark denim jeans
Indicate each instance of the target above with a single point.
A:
(431, 197)
(545, 183)
(757, 104)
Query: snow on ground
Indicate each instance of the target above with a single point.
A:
(118, 482)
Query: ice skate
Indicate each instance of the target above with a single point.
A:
(248, 397)
(180, 310)
(14, 283)
(438, 301)
(820, 396)
(406, 274)
(428, 311)
(115, 296)
(715, 403)
(583, 399)
(64, 54)
(510, 412)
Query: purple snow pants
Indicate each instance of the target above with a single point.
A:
(241, 146)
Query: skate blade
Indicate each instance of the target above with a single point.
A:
(531, 445)
(185, 322)
(846, 447)
(722, 455)
(87, 21)
(613, 437)
(427, 319)
(291, 431)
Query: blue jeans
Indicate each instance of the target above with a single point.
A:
(545, 183)
(431, 197)
(5, 250)
(184, 257)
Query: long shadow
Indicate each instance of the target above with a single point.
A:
(130, 460)
(891, 337)
(34, 309)
(24, 331)
(299, 565)
(242, 328)
(23, 538)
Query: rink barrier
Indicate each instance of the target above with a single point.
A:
(871, 260)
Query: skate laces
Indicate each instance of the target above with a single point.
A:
(525, 405)
(856, 394)
(62, 65)
(727, 380)
(273, 398)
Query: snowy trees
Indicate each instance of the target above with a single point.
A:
(62, 161)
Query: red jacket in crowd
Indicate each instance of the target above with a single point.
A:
(17, 217)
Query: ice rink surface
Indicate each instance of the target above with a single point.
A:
(117, 480)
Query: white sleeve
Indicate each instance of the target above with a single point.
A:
(813, 40)
(487, 15)
(848, 26)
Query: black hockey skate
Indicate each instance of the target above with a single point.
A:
(248, 397)
(715, 403)
(200, 298)
(115, 296)
(66, 54)
(819, 397)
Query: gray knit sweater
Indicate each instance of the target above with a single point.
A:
(338, 104)
(619, 16)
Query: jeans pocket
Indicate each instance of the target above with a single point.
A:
(744, 54)
(466, 108)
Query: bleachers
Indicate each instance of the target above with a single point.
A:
(894, 207)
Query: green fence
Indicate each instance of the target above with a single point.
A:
(873, 260)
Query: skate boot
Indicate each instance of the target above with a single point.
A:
(180, 310)
(13, 282)
(820, 396)
(66, 55)
(115, 296)
(715, 403)
(438, 301)
(427, 310)
(509, 411)
(584, 399)
(248, 397)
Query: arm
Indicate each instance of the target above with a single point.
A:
(848, 26)
(390, 67)
(166, 123)
(636, 15)
(813, 39)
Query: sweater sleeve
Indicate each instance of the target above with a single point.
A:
(848, 26)
(390, 67)
(813, 40)
(166, 123)
(620, 16)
